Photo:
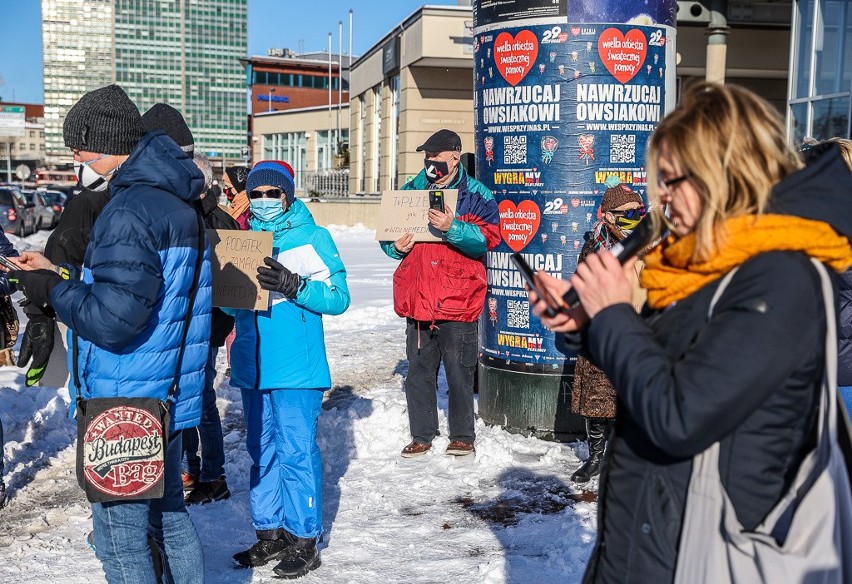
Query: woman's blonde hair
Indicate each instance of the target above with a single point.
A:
(845, 149)
(731, 144)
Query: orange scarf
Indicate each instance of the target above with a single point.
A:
(670, 275)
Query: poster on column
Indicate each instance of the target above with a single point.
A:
(559, 108)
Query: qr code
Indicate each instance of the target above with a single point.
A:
(622, 148)
(514, 149)
(518, 314)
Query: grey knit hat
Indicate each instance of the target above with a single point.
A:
(103, 121)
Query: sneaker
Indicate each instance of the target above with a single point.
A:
(459, 448)
(190, 481)
(299, 559)
(207, 492)
(415, 448)
(2, 494)
(263, 552)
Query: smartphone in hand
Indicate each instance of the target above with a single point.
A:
(436, 200)
(7, 263)
(554, 306)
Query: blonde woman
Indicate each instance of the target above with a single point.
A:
(749, 376)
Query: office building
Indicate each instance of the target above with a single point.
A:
(182, 52)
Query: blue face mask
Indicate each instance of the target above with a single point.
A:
(266, 209)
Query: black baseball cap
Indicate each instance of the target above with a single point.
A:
(441, 141)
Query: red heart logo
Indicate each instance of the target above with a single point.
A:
(622, 54)
(515, 56)
(575, 30)
(575, 203)
(518, 224)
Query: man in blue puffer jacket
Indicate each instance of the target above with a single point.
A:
(278, 360)
(127, 314)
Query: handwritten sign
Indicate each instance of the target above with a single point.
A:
(404, 212)
(235, 258)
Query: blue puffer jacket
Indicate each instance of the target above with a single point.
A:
(129, 310)
(284, 347)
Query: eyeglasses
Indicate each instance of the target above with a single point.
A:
(636, 213)
(666, 185)
(271, 193)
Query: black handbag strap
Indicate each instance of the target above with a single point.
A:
(193, 292)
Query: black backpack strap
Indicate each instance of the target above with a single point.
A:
(193, 292)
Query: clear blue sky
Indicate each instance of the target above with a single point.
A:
(294, 24)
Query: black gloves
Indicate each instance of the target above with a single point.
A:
(278, 278)
(36, 344)
(36, 285)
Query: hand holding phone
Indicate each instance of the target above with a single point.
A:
(8, 264)
(554, 306)
(436, 200)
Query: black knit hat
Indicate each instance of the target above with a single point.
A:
(104, 121)
(238, 176)
(164, 117)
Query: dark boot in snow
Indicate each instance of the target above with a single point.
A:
(2, 493)
(298, 559)
(271, 545)
(597, 430)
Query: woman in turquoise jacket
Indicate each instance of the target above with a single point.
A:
(278, 360)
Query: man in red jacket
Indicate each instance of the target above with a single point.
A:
(440, 288)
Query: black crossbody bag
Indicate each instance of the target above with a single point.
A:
(122, 441)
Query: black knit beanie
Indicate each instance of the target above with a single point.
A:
(164, 117)
(104, 121)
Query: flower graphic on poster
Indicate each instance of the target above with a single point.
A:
(488, 142)
(587, 151)
(548, 149)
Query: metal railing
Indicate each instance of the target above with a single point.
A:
(326, 184)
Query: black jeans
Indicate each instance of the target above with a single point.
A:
(456, 343)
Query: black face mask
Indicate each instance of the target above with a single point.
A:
(208, 203)
(436, 170)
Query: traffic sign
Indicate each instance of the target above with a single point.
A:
(12, 120)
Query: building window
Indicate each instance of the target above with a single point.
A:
(819, 101)
(289, 147)
(377, 138)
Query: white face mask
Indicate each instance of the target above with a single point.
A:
(89, 179)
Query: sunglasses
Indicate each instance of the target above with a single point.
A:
(637, 213)
(271, 194)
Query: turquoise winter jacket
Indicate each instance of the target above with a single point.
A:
(284, 346)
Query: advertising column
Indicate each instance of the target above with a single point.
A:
(566, 96)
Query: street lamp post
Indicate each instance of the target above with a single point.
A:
(271, 91)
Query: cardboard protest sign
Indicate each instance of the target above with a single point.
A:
(235, 258)
(404, 212)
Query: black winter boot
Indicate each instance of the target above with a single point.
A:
(271, 545)
(597, 430)
(299, 559)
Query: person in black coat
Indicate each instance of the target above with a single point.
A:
(749, 376)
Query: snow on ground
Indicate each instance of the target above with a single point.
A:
(508, 515)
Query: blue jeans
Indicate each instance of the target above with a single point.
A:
(121, 533)
(286, 470)
(211, 465)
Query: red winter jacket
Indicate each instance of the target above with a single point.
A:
(447, 281)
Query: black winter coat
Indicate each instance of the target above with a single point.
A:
(749, 378)
(67, 244)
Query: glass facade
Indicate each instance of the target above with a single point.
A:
(181, 52)
(77, 47)
(820, 90)
(288, 146)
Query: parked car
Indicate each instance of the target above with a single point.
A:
(45, 217)
(55, 200)
(16, 215)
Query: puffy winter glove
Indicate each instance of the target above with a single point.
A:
(36, 285)
(278, 278)
(36, 344)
